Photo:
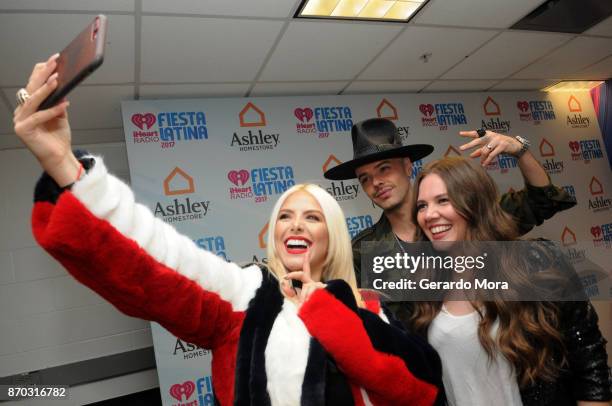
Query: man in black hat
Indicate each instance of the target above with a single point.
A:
(383, 166)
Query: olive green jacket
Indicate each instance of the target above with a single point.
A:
(529, 206)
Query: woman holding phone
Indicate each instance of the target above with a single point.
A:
(271, 343)
(501, 352)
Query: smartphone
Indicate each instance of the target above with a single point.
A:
(78, 60)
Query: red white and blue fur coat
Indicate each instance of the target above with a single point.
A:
(265, 351)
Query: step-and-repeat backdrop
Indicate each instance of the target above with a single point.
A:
(213, 168)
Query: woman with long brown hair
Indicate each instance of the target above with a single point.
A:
(504, 352)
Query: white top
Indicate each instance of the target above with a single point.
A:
(469, 378)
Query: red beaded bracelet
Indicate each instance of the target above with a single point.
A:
(80, 172)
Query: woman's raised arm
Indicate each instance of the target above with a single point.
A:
(116, 246)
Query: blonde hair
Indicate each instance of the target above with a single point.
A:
(338, 262)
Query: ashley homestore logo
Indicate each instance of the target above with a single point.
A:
(177, 184)
(257, 137)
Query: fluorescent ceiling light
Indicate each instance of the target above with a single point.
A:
(573, 86)
(379, 10)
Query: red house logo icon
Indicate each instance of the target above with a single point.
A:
(178, 183)
(546, 148)
(491, 108)
(331, 162)
(252, 116)
(595, 187)
(568, 237)
(386, 110)
(574, 105)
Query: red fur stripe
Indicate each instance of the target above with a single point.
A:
(100, 257)
(385, 377)
(373, 306)
(372, 300)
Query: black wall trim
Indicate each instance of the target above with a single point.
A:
(91, 370)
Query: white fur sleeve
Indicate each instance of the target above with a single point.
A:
(110, 199)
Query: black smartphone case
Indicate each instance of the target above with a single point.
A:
(78, 60)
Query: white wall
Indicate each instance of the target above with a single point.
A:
(46, 317)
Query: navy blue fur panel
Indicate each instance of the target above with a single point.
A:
(47, 190)
(343, 292)
(313, 387)
(420, 358)
(251, 379)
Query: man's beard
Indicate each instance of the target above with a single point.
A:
(396, 206)
(387, 206)
(391, 207)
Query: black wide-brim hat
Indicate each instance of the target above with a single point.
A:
(376, 139)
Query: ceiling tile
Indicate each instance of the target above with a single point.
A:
(194, 90)
(601, 70)
(572, 57)
(603, 28)
(476, 13)
(259, 8)
(379, 86)
(85, 5)
(81, 137)
(181, 49)
(98, 106)
(401, 60)
(326, 50)
(56, 31)
(506, 54)
(297, 88)
(458, 85)
(523, 84)
(93, 106)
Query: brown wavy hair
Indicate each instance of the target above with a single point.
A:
(528, 334)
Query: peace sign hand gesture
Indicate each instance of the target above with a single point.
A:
(300, 295)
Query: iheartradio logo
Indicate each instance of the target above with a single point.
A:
(304, 115)
(596, 231)
(426, 109)
(522, 106)
(574, 146)
(238, 178)
(143, 121)
(178, 390)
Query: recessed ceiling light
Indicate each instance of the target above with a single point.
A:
(377, 10)
(573, 86)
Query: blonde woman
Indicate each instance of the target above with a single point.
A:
(271, 343)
